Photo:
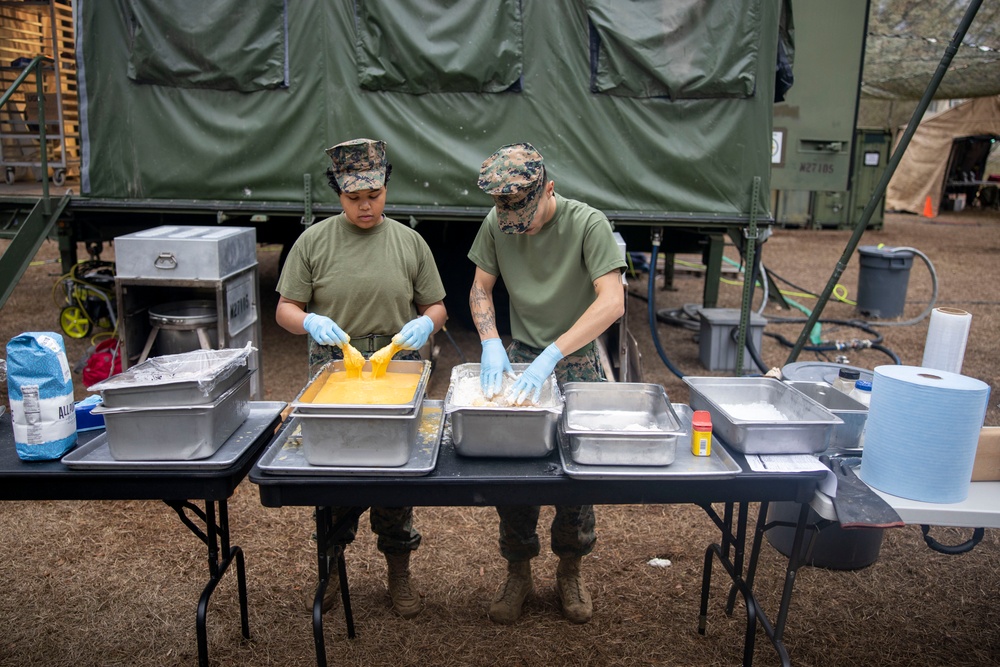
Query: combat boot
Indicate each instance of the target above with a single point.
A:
(405, 598)
(573, 596)
(506, 605)
(331, 596)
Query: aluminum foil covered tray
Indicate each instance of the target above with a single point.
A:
(177, 432)
(494, 428)
(304, 403)
(762, 415)
(191, 378)
(620, 423)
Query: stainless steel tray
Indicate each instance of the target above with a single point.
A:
(619, 423)
(506, 432)
(96, 455)
(286, 456)
(720, 465)
(806, 429)
(303, 403)
(851, 412)
(175, 433)
(190, 378)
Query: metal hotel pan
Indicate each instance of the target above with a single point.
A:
(175, 433)
(508, 432)
(851, 412)
(198, 377)
(303, 403)
(620, 423)
(806, 430)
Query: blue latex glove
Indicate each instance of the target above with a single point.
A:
(492, 367)
(324, 330)
(529, 385)
(414, 333)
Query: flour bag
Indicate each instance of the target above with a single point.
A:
(40, 386)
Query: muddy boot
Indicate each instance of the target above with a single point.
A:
(507, 603)
(573, 596)
(405, 598)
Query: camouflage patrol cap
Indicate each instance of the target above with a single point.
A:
(359, 164)
(515, 177)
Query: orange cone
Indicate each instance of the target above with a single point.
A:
(928, 208)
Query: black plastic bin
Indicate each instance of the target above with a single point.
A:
(882, 281)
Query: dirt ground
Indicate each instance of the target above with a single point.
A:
(116, 583)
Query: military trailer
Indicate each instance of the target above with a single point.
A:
(660, 114)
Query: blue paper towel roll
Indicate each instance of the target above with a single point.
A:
(922, 432)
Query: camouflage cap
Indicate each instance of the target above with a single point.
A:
(515, 177)
(359, 164)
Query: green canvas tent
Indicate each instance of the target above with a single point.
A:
(646, 109)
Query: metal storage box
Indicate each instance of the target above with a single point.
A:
(175, 433)
(179, 252)
(303, 403)
(851, 412)
(349, 439)
(629, 424)
(806, 428)
(519, 431)
(190, 378)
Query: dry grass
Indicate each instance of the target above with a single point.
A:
(116, 583)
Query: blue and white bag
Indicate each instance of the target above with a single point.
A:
(40, 386)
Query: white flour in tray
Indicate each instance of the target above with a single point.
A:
(760, 411)
(467, 392)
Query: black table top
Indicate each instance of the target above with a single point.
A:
(53, 480)
(460, 481)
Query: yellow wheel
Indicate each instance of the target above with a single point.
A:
(74, 322)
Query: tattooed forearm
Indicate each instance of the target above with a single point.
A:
(481, 306)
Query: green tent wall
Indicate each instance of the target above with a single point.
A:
(669, 117)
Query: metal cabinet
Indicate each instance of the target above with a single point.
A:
(162, 270)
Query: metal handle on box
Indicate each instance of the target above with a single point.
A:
(166, 260)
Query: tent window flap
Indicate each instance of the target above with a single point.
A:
(650, 48)
(423, 46)
(235, 45)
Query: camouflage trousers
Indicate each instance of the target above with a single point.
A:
(320, 355)
(393, 525)
(583, 367)
(572, 531)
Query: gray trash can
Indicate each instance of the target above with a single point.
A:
(835, 548)
(882, 281)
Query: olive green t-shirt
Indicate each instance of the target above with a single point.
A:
(365, 280)
(550, 275)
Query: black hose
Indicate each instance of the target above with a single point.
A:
(892, 355)
(855, 345)
(751, 348)
(651, 301)
(461, 355)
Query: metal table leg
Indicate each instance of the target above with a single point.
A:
(328, 550)
(743, 584)
(216, 532)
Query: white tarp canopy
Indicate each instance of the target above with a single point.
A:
(921, 171)
(905, 42)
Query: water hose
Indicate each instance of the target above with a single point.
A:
(651, 302)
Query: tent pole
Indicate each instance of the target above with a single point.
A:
(911, 127)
